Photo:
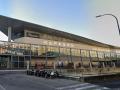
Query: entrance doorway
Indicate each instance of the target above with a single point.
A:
(4, 62)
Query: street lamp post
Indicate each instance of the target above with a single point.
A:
(112, 16)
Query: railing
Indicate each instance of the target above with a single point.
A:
(92, 60)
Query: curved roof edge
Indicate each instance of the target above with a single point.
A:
(7, 21)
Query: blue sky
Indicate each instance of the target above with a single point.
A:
(74, 16)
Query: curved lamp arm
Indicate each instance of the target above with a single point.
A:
(115, 19)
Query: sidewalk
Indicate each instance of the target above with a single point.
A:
(11, 71)
(92, 77)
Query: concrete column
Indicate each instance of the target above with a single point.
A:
(74, 65)
(8, 63)
(59, 53)
(46, 59)
(9, 33)
(103, 64)
(54, 65)
(114, 64)
(104, 61)
(81, 59)
(70, 55)
(11, 62)
(90, 61)
(28, 65)
(97, 55)
(18, 61)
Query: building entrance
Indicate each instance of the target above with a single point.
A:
(4, 62)
(19, 62)
(13, 62)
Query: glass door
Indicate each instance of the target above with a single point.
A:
(4, 62)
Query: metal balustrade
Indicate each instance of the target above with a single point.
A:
(15, 55)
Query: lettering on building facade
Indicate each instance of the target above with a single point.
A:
(34, 35)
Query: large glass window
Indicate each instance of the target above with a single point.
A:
(118, 56)
(4, 62)
(107, 56)
(100, 55)
(85, 58)
(93, 53)
(52, 51)
(113, 56)
(21, 62)
(84, 53)
(14, 61)
(75, 52)
(35, 50)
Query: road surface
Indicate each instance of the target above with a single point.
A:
(25, 82)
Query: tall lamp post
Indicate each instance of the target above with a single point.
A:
(112, 16)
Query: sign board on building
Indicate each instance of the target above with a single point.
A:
(31, 34)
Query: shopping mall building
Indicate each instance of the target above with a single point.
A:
(28, 42)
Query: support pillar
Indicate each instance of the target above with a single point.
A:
(46, 59)
(54, 65)
(103, 63)
(11, 65)
(28, 65)
(90, 60)
(70, 55)
(8, 63)
(74, 65)
(9, 33)
(81, 59)
(114, 64)
(9, 40)
(18, 62)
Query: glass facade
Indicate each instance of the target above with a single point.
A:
(15, 56)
